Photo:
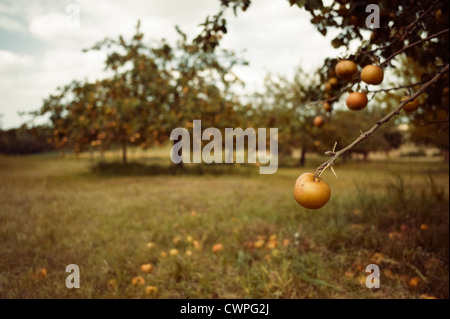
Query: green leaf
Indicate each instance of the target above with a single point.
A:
(299, 3)
(313, 4)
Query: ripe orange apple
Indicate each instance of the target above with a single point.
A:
(137, 281)
(356, 101)
(318, 121)
(372, 74)
(40, 273)
(411, 106)
(271, 244)
(147, 268)
(333, 81)
(327, 107)
(259, 243)
(151, 290)
(346, 69)
(413, 283)
(217, 248)
(311, 192)
(176, 240)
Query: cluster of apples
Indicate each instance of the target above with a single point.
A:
(370, 74)
(311, 191)
(346, 70)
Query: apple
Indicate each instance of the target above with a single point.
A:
(357, 101)
(217, 248)
(318, 121)
(327, 107)
(346, 69)
(311, 192)
(147, 268)
(372, 74)
(411, 106)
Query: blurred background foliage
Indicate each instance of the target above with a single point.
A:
(156, 87)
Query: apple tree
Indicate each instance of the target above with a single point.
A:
(384, 34)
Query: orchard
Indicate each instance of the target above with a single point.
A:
(360, 146)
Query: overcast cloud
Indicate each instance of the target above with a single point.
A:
(38, 52)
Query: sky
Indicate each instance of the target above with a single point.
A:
(41, 47)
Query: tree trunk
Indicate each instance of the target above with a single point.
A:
(124, 153)
(366, 156)
(302, 157)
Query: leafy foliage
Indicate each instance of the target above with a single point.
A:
(411, 30)
(153, 90)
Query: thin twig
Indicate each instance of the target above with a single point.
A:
(412, 24)
(405, 32)
(393, 55)
(345, 89)
(382, 65)
(341, 92)
(379, 123)
(409, 86)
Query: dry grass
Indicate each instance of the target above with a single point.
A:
(55, 212)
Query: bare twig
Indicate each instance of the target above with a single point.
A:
(382, 65)
(405, 31)
(334, 98)
(379, 123)
(409, 86)
(393, 55)
(412, 24)
(338, 96)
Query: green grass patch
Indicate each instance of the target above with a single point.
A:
(55, 212)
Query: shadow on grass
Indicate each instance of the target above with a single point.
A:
(139, 169)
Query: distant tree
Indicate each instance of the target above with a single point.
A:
(283, 104)
(153, 90)
(387, 139)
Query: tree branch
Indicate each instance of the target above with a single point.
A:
(382, 65)
(393, 55)
(397, 88)
(379, 123)
(405, 30)
(412, 24)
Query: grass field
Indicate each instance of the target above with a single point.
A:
(55, 212)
